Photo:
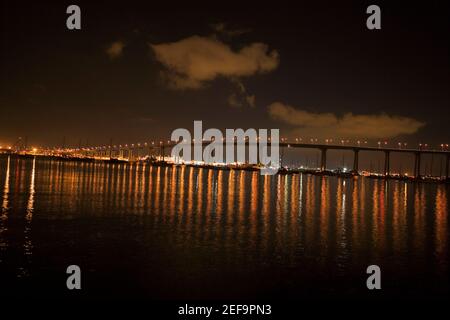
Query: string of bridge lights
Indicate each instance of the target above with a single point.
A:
(330, 141)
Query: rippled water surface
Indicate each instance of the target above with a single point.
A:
(182, 232)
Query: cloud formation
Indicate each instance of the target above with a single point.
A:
(240, 97)
(192, 62)
(115, 50)
(223, 29)
(349, 125)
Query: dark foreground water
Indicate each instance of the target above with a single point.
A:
(183, 233)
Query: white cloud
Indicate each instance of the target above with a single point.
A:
(192, 62)
(349, 125)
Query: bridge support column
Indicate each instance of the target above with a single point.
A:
(162, 152)
(447, 173)
(417, 165)
(323, 160)
(355, 161)
(386, 163)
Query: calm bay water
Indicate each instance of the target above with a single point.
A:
(140, 231)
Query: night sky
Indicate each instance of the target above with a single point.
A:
(138, 70)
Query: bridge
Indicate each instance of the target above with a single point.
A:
(134, 151)
(386, 151)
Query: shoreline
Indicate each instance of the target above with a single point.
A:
(238, 167)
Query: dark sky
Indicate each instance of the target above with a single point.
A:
(56, 82)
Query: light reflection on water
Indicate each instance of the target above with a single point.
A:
(217, 222)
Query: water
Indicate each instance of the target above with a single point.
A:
(183, 233)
